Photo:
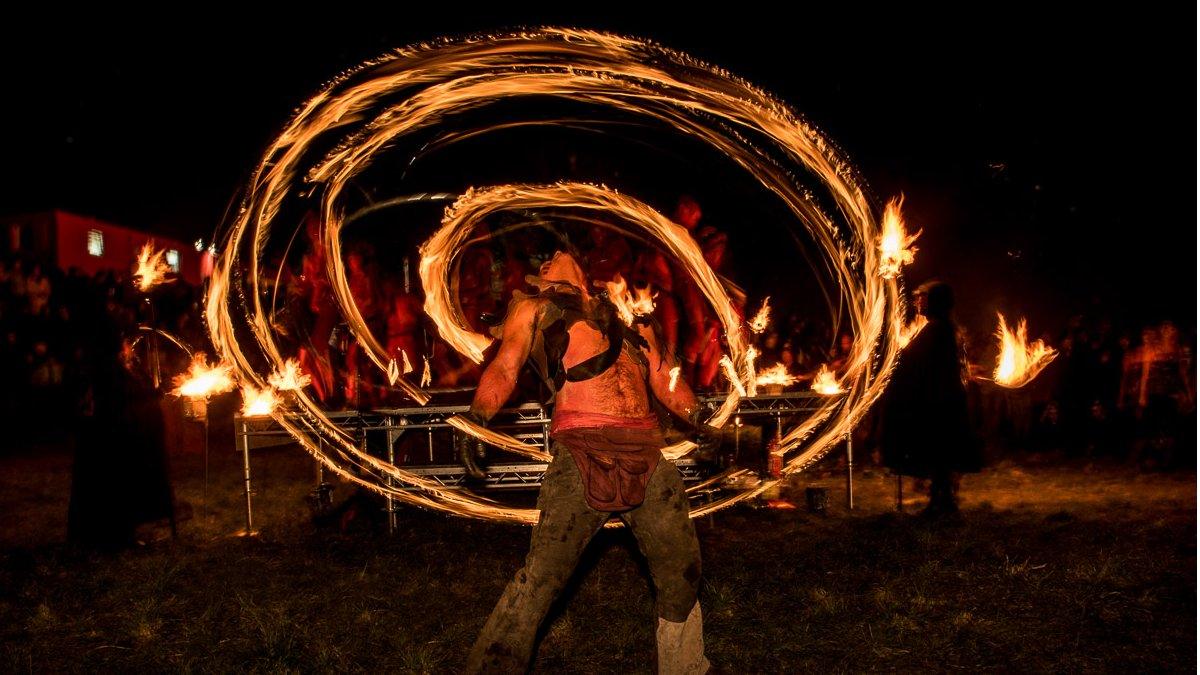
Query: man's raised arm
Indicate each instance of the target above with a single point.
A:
(500, 376)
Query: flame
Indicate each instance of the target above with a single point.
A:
(151, 268)
(1019, 361)
(289, 378)
(426, 373)
(393, 371)
(910, 331)
(776, 374)
(674, 378)
(825, 383)
(732, 376)
(629, 304)
(894, 243)
(751, 377)
(203, 380)
(763, 318)
(408, 367)
(371, 108)
(257, 402)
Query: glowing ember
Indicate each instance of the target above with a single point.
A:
(825, 383)
(152, 269)
(1019, 361)
(257, 402)
(776, 374)
(289, 378)
(203, 380)
(674, 378)
(629, 304)
(763, 318)
(731, 375)
(894, 243)
(910, 331)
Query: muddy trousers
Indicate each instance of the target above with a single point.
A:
(665, 535)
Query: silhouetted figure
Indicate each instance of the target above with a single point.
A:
(120, 478)
(926, 429)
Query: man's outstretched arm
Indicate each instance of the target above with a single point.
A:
(499, 378)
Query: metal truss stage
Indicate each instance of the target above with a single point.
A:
(420, 438)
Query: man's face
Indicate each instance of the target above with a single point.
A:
(562, 267)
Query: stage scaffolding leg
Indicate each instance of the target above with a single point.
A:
(245, 441)
(390, 503)
(849, 472)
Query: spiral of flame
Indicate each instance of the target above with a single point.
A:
(417, 88)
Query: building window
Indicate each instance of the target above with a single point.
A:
(173, 260)
(95, 243)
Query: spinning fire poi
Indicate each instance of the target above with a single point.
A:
(342, 131)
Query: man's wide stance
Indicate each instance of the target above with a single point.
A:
(607, 461)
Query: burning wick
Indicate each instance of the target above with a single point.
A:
(760, 321)
(1019, 361)
(825, 383)
(257, 402)
(776, 374)
(203, 380)
(895, 243)
(290, 378)
(629, 305)
(151, 268)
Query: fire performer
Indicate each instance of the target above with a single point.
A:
(926, 425)
(607, 462)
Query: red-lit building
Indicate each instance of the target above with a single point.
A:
(68, 240)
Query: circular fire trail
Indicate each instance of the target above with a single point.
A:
(338, 134)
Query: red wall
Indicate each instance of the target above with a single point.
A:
(121, 247)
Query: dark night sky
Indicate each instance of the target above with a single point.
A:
(1050, 159)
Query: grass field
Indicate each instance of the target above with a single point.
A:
(1053, 568)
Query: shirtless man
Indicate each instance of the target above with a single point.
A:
(607, 461)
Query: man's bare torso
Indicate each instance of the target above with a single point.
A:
(619, 391)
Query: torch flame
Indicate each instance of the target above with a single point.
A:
(151, 268)
(1019, 361)
(760, 321)
(257, 402)
(393, 371)
(895, 244)
(426, 374)
(289, 378)
(776, 374)
(629, 304)
(203, 380)
(825, 383)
